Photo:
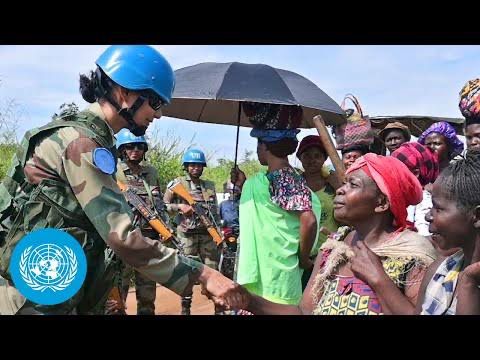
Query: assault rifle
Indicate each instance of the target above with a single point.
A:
(153, 219)
(178, 189)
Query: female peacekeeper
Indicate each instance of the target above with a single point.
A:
(63, 178)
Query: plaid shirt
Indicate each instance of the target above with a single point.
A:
(439, 295)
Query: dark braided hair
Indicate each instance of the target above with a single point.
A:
(461, 181)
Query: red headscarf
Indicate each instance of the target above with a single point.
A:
(417, 156)
(395, 180)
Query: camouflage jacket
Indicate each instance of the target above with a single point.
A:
(145, 184)
(59, 186)
(204, 194)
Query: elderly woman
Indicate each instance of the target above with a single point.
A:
(376, 265)
(442, 139)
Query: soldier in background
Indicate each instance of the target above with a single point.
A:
(197, 242)
(143, 180)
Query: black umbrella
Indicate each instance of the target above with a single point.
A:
(213, 93)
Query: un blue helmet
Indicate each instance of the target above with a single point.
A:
(138, 67)
(194, 156)
(125, 136)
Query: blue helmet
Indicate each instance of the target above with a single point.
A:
(194, 156)
(125, 136)
(138, 67)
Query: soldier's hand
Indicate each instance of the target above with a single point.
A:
(223, 291)
(185, 209)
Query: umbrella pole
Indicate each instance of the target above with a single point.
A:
(238, 132)
(330, 148)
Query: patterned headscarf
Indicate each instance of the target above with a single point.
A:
(469, 104)
(273, 116)
(445, 129)
(417, 156)
(274, 135)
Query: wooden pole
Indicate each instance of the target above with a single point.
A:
(327, 142)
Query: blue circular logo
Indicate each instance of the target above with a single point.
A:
(104, 160)
(48, 266)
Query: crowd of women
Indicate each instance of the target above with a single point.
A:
(399, 235)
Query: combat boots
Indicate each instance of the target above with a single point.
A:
(186, 304)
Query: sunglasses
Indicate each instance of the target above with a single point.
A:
(155, 101)
(135, 146)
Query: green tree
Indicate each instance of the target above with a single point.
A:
(6, 156)
(165, 154)
(10, 117)
(220, 173)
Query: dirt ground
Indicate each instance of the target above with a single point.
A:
(168, 303)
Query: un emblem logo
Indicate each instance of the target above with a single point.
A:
(48, 266)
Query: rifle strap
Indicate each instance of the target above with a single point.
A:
(150, 196)
(120, 175)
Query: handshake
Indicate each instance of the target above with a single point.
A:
(223, 291)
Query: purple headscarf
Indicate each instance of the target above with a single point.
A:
(445, 129)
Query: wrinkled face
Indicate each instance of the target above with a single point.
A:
(134, 151)
(438, 143)
(394, 139)
(312, 159)
(350, 157)
(357, 199)
(262, 153)
(472, 134)
(449, 225)
(194, 170)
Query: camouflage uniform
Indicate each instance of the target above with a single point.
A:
(196, 240)
(55, 183)
(146, 184)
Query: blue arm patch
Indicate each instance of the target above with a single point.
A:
(104, 160)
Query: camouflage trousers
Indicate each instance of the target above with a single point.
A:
(202, 246)
(145, 290)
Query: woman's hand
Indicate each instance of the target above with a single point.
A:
(366, 265)
(237, 177)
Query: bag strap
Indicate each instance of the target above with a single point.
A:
(355, 102)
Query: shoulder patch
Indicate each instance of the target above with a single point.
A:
(104, 160)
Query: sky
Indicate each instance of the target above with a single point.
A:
(387, 80)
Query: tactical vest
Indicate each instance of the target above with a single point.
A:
(26, 207)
